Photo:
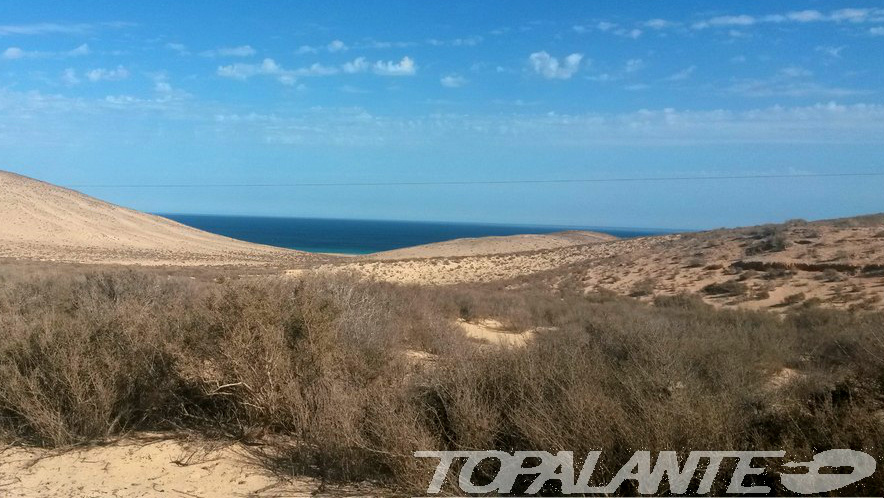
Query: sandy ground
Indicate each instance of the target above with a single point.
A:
(40, 221)
(494, 245)
(150, 466)
(833, 264)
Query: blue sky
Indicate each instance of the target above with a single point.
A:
(289, 92)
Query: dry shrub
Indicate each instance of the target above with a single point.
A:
(316, 369)
(728, 288)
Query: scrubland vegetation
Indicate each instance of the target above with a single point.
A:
(344, 379)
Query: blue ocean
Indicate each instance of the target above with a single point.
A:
(365, 236)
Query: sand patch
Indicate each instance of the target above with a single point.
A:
(494, 332)
(146, 467)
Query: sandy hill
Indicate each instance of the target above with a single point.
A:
(835, 263)
(45, 222)
(495, 245)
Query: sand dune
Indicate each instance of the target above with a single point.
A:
(834, 263)
(495, 245)
(45, 222)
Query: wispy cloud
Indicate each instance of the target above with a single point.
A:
(180, 48)
(336, 46)
(45, 28)
(834, 52)
(683, 74)
(39, 118)
(470, 41)
(851, 15)
(269, 67)
(791, 81)
(13, 53)
(616, 29)
(453, 81)
(551, 68)
(634, 65)
(332, 46)
(240, 51)
(659, 24)
(102, 74)
(70, 77)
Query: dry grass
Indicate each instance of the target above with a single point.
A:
(315, 369)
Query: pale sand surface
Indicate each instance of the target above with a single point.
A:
(493, 332)
(148, 467)
(671, 264)
(40, 221)
(494, 245)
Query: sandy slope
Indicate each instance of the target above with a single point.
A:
(839, 263)
(494, 245)
(41, 221)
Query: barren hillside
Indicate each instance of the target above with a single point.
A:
(41, 221)
(836, 263)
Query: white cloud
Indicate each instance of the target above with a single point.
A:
(683, 74)
(806, 16)
(178, 47)
(101, 74)
(795, 72)
(333, 46)
(316, 69)
(792, 81)
(81, 50)
(336, 46)
(742, 20)
(240, 51)
(605, 26)
(453, 81)
(658, 24)
(851, 15)
(45, 28)
(357, 65)
(244, 71)
(45, 119)
(378, 44)
(12, 53)
(634, 65)
(634, 33)
(270, 67)
(404, 67)
(550, 68)
(831, 51)
(69, 77)
(470, 41)
(877, 31)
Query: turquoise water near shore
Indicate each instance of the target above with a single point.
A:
(366, 236)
